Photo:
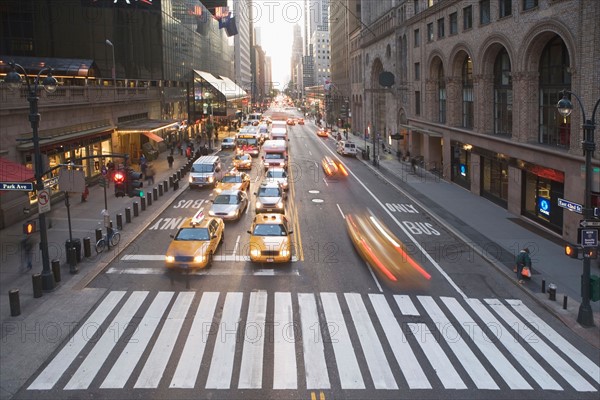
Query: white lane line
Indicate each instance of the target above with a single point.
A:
(125, 364)
(251, 369)
(436, 356)
(349, 372)
(413, 373)
(285, 373)
(325, 181)
(88, 369)
(374, 277)
(381, 372)
(59, 364)
(563, 345)
(514, 347)
(188, 366)
(406, 305)
(204, 272)
(510, 375)
(317, 376)
(143, 257)
(161, 257)
(309, 152)
(221, 365)
(163, 348)
(475, 370)
(340, 210)
(237, 245)
(545, 351)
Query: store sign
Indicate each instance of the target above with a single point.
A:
(463, 170)
(544, 206)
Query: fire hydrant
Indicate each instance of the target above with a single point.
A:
(552, 292)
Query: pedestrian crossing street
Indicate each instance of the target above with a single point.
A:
(295, 341)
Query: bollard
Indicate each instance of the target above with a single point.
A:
(15, 303)
(160, 189)
(174, 176)
(178, 175)
(565, 302)
(165, 186)
(36, 280)
(171, 181)
(149, 197)
(87, 247)
(143, 203)
(155, 194)
(120, 222)
(543, 286)
(175, 185)
(128, 214)
(56, 270)
(136, 210)
(98, 234)
(552, 292)
(71, 253)
(72, 257)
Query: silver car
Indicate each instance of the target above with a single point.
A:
(277, 175)
(229, 205)
(270, 198)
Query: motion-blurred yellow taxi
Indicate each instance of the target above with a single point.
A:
(383, 251)
(322, 133)
(195, 242)
(233, 180)
(333, 167)
(270, 239)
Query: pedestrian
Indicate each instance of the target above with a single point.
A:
(180, 147)
(413, 165)
(143, 159)
(170, 160)
(188, 151)
(85, 194)
(150, 172)
(27, 252)
(522, 261)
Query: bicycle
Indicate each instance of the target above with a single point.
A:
(101, 244)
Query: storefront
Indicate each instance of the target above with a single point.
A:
(217, 97)
(146, 136)
(494, 177)
(542, 187)
(461, 164)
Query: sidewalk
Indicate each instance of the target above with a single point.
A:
(29, 339)
(497, 235)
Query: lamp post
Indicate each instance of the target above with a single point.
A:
(209, 126)
(585, 316)
(13, 80)
(114, 70)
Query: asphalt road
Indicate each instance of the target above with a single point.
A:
(323, 326)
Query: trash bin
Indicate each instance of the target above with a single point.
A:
(76, 243)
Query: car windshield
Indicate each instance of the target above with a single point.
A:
(276, 174)
(243, 157)
(269, 230)
(228, 140)
(232, 179)
(246, 142)
(193, 234)
(202, 168)
(268, 192)
(273, 156)
(226, 199)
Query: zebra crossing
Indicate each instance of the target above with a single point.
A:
(321, 341)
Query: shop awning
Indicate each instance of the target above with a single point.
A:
(422, 130)
(54, 137)
(223, 85)
(147, 127)
(68, 67)
(12, 172)
(152, 136)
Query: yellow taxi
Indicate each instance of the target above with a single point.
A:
(195, 243)
(291, 121)
(322, 133)
(242, 161)
(270, 239)
(300, 121)
(333, 167)
(233, 180)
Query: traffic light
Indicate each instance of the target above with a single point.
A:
(572, 250)
(134, 184)
(120, 183)
(29, 227)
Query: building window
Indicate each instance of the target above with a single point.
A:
(554, 77)
(467, 17)
(503, 96)
(441, 96)
(467, 94)
(417, 103)
(453, 23)
(542, 187)
(430, 32)
(440, 27)
(529, 4)
(505, 8)
(417, 71)
(416, 6)
(494, 179)
(484, 12)
(417, 38)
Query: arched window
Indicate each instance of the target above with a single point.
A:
(554, 77)
(467, 93)
(503, 96)
(441, 95)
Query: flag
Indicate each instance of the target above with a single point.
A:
(231, 28)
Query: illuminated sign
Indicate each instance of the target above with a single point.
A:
(463, 170)
(544, 206)
(119, 3)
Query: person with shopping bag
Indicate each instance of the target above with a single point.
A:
(523, 265)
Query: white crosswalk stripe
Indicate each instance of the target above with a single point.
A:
(306, 341)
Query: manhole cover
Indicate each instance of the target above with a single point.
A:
(313, 191)
(317, 200)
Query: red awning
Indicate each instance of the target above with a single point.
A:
(12, 172)
(153, 136)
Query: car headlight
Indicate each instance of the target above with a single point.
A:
(211, 213)
(255, 252)
(280, 204)
(281, 164)
(231, 213)
(191, 179)
(199, 259)
(284, 253)
(169, 259)
(210, 178)
(218, 190)
(258, 204)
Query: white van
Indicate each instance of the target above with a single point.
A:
(346, 148)
(204, 171)
(275, 153)
(279, 133)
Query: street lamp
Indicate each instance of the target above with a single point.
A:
(114, 70)
(209, 126)
(585, 316)
(13, 80)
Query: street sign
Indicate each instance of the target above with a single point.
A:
(71, 180)
(570, 205)
(25, 186)
(589, 224)
(44, 201)
(589, 237)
